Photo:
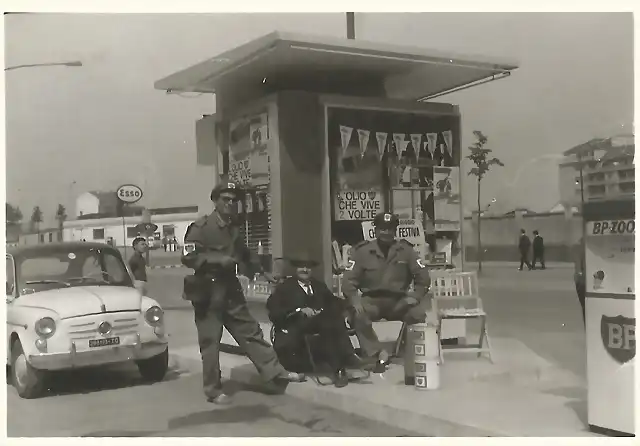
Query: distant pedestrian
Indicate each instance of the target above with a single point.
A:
(538, 250)
(524, 245)
(138, 264)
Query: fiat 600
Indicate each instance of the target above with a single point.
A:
(72, 305)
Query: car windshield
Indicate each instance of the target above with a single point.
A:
(64, 267)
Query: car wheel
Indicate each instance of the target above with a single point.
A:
(155, 368)
(29, 382)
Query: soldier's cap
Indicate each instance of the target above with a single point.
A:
(226, 186)
(386, 220)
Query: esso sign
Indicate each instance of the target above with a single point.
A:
(129, 193)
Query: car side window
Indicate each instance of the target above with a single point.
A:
(11, 279)
(115, 268)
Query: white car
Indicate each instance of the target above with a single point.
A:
(73, 305)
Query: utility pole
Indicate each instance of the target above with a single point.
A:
(351, 25)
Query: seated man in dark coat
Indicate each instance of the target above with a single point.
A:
(302, 306)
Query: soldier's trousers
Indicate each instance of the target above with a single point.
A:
(389, 308)
(236, 318)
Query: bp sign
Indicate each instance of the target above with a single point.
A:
(129, 193)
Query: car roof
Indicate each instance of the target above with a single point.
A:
(25, 249)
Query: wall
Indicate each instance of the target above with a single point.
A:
(77, 230)
(499, 236)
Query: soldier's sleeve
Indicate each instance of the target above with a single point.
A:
(193, 252)
(420, 275)
(353, 276)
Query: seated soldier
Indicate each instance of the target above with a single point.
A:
(302, 305)
(383, 269)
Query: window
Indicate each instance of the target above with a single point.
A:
(132, 232)
(98, 234)
(41, 238)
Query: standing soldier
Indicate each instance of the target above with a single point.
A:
(538, 250)
(524, 244)
(214, 248)
(383, 270)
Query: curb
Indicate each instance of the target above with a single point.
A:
(237, 368)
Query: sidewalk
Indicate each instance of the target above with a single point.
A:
(520, 394)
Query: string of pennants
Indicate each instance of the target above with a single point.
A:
(399, 141)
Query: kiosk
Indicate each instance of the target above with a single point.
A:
(609, 245)
(326, 132)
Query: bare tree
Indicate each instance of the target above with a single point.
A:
(480, 157)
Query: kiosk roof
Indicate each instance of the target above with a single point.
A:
(405, 72)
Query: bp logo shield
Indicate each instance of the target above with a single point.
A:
(619, 337)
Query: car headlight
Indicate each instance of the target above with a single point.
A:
(45, 327)
(154, 316)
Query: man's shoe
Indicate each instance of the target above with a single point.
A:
(220, 400)
(291, 377)
(341, 379)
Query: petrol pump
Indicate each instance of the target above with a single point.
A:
(609, 249)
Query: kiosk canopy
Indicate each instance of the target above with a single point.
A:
(324, 64)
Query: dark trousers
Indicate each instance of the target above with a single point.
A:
(524, 259)
(538, 256)
(230, 311)
(330, 345)
(389, 308)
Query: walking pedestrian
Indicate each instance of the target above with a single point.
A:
(538, 250)
(524, 245)
(215, 250)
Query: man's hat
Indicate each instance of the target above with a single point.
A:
(386, 220)
(226, 186)
(302, 260)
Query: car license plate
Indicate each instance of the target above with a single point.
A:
(103, 342)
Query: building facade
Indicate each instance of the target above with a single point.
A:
(607, 171)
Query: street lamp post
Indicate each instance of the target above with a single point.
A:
(75, 63)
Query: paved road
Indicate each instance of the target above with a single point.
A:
(114, 403)
(539, 308)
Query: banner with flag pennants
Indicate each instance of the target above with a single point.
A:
(398, 143)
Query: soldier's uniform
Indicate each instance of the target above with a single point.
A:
(384, 281)
(212, 246)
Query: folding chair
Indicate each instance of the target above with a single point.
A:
(456, 286)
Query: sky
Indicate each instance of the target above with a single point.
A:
(70, 130)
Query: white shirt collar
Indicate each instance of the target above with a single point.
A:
(306, 286)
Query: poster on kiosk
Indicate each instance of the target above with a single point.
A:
(610, 318)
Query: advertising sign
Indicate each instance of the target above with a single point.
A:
(446, 198)
(240, 171)
(611, 349)
(129, 193)
(357, 205)
(409, 230)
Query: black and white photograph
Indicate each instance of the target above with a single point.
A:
(275, 223)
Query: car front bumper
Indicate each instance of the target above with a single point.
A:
(107, 355)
